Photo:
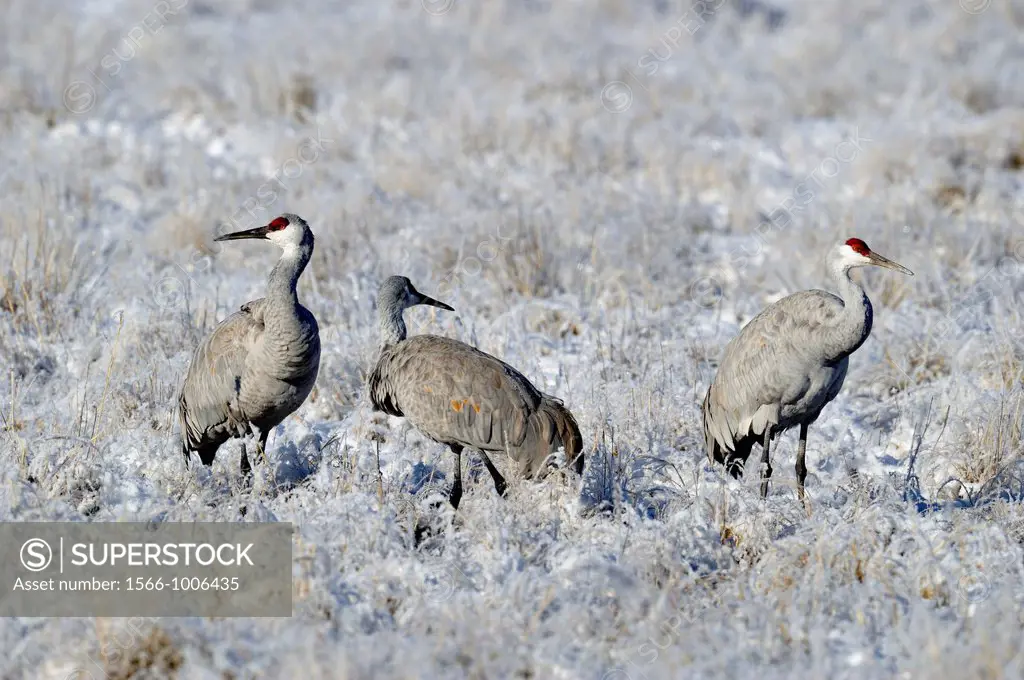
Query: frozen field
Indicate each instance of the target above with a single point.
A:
(606, 191)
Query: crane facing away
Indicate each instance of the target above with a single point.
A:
(260, 363)
(459, 396)
(787, 364)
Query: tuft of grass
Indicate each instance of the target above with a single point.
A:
(154, 655)
(991, 444)
(106, 381)
(528, 265)
(299, 100)
(44, 274)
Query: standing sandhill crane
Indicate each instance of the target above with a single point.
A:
(787, 364)
(260, 363)
(457, 395)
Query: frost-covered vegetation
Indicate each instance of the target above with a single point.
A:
(605, 191)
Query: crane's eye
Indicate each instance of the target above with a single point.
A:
(278, 224)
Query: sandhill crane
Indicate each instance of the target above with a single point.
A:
(787, 364)
(260, 363)
(459, 396)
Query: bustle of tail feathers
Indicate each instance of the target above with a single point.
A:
(183, 424)
(710, 445)
(557, 422)
(381, 393)
(206, 451)
(733, 460)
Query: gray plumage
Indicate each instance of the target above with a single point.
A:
(787, 364)
(259, 365)
(462, 397)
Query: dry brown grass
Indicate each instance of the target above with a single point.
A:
(528, 266)
(991, 444)
(41, 270)
(155, 655)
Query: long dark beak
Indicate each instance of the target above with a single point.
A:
(258, 232)
(422, 299)
(877, 259)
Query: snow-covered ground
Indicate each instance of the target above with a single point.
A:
(605, 191)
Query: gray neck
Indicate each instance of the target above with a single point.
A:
(392, 325)
(284, 277)
(853, 326)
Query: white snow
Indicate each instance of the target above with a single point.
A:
(609, 252)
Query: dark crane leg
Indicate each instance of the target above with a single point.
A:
(801, 465)
(244, 465)
(499, 482)
(261, 449)
(766, 465)
(455, 495)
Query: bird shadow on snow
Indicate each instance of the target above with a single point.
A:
(623, 479)
(1006, 485)
(425, 488)
(423, 501)
(423, 475)
(295, 462)
(291, 463)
